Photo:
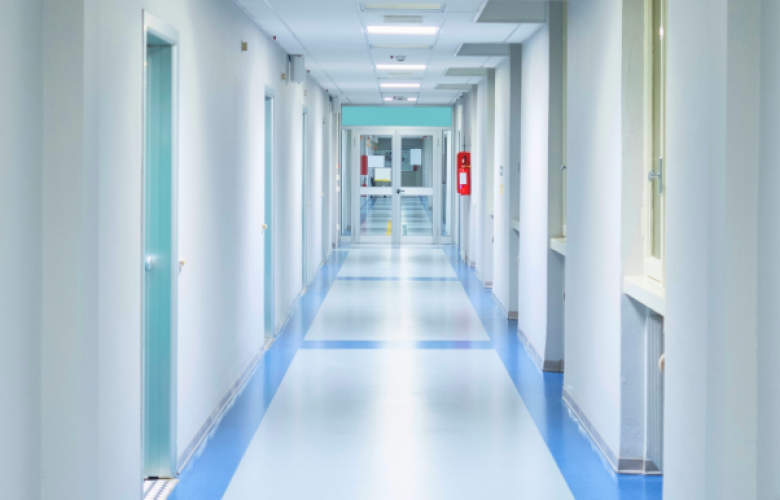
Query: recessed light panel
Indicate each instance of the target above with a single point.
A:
(400, 85)
(402, 30)
(401, 67)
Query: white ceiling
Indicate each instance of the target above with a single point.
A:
(339, 54)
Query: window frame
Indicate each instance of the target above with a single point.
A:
(654, 265)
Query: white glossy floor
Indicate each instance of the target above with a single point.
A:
(406, 262)
(397, 310)
(397, 423)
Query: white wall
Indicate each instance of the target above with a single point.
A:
(506, 181)
(474, 201)
(21, 132)
(317, 169)
(71, 198)
(221, 198)
(534, 192)
(483, 157)
(712, 233)
(768, 459)
(593, 248)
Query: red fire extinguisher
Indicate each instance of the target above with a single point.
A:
(464, 174)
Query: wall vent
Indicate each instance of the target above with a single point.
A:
(654, 420)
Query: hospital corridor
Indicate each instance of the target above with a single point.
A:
(389, 250)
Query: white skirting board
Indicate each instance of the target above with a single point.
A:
(219, 411)
(546, 365)
(619, 465)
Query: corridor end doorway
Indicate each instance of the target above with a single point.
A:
(398, 181)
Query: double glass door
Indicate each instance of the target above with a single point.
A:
(394, 172)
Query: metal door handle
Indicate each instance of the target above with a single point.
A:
(149, 263)
(658, 175)
(400, 191)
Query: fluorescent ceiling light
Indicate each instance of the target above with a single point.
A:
(388, 99)
(400, 85)
(411, 99)
(400, 46)
(403, 6)
(401, 67)
(403, 30)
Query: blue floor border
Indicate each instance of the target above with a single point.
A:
(588, 474)
(210, 471)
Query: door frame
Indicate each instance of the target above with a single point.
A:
(161, 29)
(304, 200)
(269, 226)
(396, 133)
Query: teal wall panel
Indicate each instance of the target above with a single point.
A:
(395, 116)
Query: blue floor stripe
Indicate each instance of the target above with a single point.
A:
(209, 472)
(379, 278)
(383, 344)
(585, 470)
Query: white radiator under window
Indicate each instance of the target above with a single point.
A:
(654, 426)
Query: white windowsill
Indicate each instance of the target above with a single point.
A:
(558, 245)
(516, 225)
(646, 291)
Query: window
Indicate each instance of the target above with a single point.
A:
(656, 167)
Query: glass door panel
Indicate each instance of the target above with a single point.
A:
(416, 216)
(420, 154)
(374, 174)
(376, 215)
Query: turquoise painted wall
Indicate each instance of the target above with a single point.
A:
(395, 116)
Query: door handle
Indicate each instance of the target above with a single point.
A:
(400, 191)
(658, 175)
(149, 263)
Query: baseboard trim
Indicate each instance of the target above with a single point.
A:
(546, 365)
(578, 414)
(288, 313)
(224, 404)
(535, 356)
(488, 284)
(499, 304)
(628, 466)
(512, 315)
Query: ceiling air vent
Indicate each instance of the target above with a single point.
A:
(454, 86)
(401, 7)
(404, 19)
(466, 72)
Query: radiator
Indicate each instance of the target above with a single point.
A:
(654, 427)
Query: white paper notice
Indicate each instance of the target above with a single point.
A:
(463, 177)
